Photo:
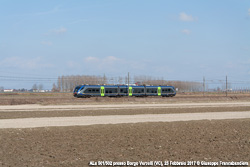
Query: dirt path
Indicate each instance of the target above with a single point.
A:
(118, 119)
(36, 107)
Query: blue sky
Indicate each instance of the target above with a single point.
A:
(176, 40)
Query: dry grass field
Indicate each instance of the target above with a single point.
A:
(67, 98)
(204, 140)
(227, 140)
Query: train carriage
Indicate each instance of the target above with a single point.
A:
(167, 91)
(137, 91)
(123, 90)
(110, 91)
(153, 91)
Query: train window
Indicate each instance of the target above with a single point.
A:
(92, 90)
(135, 90)
(151, 90)
(108, 90)
(111, 90)
(164, 91)
(154, 90)
(89, 90)
(77, 88)
(138, 90)
(123, 90)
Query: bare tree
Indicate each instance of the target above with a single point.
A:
(40, 87)
(120, 80)
(34, 87)
(55, 88)
(59, 84)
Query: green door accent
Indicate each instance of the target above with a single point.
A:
(102, 90)
(130, 91)
(159, 91)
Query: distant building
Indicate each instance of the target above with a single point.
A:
(39, 91)
(8, 90)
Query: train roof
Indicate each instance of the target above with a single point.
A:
(159, 86)
(124, 86)
(100, 85)
(137, 86)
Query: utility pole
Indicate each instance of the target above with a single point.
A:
(226, 85)
(128, 84)
(203, 86)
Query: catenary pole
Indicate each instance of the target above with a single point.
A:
(128, 84)
(226, 85)
(203, 86)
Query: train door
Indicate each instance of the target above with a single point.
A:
(102, 91)
(159, 91)
(130, 91)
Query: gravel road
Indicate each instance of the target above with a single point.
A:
(118, 119)
(36, 107)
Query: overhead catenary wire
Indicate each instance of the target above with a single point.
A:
(211, 83)
(23, 78)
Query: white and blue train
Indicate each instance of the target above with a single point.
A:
(123, 90)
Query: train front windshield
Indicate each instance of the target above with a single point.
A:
(77, 88)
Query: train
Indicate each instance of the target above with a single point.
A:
(123, 90)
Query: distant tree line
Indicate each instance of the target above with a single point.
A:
(183, 86)
(37, 87)
(68, 83)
